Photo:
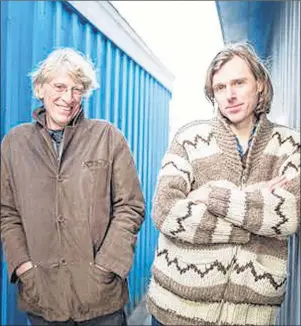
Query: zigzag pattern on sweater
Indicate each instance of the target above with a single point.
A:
(284, 219)
(182, 218)
(196, 139)
(284, 140)
(292, 165)
(298, 146)
(219, 266)
(214, 265)
(265, 275)
(179, 169)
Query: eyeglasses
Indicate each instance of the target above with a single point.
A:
(62, 88)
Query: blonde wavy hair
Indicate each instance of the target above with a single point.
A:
(77, 65)
(246, 52)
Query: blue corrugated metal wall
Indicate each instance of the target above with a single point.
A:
(129, 97)
(273, 27)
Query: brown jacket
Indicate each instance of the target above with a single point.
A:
(68, 213)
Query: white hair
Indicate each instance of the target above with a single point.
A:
(77, 65)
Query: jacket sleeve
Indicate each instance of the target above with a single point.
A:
(117, 251)
(177, 216)
(12, 232)
(260, 211)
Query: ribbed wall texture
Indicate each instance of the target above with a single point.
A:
(128, 96)
(273, 27)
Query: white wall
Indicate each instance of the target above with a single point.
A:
(184, 35)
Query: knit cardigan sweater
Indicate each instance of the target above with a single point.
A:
(224, 263)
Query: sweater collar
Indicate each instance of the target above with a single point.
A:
(226, 141)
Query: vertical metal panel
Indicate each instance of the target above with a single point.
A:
(248, 21)
(129, 97)
(285, 59)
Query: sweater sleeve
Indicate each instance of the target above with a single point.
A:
(257, 209)
(177, 216)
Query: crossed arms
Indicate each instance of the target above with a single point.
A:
(220, 212)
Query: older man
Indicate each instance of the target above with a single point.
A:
(228, 197)
(71, 203)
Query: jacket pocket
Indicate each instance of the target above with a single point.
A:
(104, 276)
(94, 289)
(97, 172)
(28, 290)
(95, 164)
(258, 281)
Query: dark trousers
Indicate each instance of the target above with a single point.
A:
(156, 322)
(117, 318)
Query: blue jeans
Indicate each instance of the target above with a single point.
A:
(117, 318)
(156, 322)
